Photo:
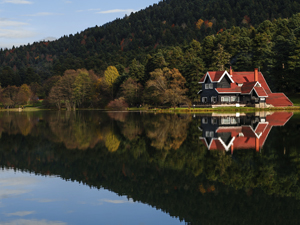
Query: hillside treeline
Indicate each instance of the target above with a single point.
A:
(272, 46)
(168, 23)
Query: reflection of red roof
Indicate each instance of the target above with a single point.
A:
(216, 145)
(260, 128)
(247, 138)
(279, 118)
(264, 135)
(278, 99)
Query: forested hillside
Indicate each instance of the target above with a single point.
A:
(192, 36)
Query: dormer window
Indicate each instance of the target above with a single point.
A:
(209, 86)
(240, 85)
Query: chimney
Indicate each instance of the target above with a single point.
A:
(256, 144)
(230, 71)
(256, 74)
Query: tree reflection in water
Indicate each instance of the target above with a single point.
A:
(160, 160)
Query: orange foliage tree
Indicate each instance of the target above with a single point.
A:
(199, 24)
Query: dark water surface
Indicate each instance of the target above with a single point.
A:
(92, 167)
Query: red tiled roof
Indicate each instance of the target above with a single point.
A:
(247, 87)
(260, 91)
(214, 75)
(240, 78)
(278, 99)
(244, 77)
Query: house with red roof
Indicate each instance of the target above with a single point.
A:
(229, 133)
(239, 88)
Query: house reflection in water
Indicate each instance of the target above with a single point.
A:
(230, 132)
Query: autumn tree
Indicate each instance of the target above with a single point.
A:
(176, 92)
(167, 86)
(110, 76)
(9, 96)
(199, 24)
(55, 96)
(82, 87)
(66, 89)
(24, 95)
(132, 91)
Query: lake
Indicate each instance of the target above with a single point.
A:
(93, 167)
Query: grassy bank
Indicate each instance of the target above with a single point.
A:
(28, 109)
(219, 109)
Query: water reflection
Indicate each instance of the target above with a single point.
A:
(161, 161)
(233, 132)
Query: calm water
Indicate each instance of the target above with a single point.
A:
(141, 168)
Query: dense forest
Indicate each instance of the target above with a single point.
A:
(191, 36)
(123, 152)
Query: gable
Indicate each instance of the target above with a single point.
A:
(216, 76)
(224, 82)
(207, 80)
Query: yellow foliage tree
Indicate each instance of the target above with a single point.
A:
(112, 143)
(110, 76)
(199, 24)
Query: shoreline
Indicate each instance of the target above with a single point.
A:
(171, 110)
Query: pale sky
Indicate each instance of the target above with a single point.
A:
(26, 21)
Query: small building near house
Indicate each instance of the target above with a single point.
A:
(239, 88)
